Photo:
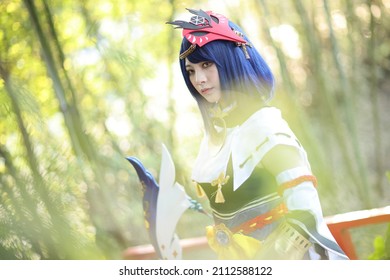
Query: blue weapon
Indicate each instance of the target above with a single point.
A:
(163, 204)
(149, 202)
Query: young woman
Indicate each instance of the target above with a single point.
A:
(250, 165)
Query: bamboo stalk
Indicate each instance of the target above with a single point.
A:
(299, 114)
(54, 75)
(80, 142)
(329, 102)
(351, 125)
(375, 109)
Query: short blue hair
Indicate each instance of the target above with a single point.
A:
(237, 74)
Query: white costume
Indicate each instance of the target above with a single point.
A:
(239, 158)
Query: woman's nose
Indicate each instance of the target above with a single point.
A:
(200, 77)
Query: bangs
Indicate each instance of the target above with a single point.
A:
(199, 54)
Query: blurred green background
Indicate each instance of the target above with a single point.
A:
(83, 84)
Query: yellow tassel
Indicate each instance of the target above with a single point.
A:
(219, 198)
(219, 182)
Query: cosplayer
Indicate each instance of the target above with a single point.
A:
(250, 165)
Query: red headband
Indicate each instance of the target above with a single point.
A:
(206, 27)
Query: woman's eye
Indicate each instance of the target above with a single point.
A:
(207, 64)
(190, 72)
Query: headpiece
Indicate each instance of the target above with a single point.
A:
(206, 27)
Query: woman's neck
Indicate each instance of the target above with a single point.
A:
(241, 112)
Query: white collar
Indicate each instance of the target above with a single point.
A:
(240, 143)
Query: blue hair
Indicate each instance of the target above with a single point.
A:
(239, 76)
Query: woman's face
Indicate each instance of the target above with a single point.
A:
(205, 79)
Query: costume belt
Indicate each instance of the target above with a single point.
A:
(262, 220)
(235, 243)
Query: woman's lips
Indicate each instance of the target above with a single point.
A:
(205, 90)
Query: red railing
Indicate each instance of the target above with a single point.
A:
(339, 225)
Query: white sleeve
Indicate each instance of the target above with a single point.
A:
(302, 194)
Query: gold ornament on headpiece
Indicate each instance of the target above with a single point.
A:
(243, 45)
(187, 52)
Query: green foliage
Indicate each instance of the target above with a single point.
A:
(382, 243)
(381, 247)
